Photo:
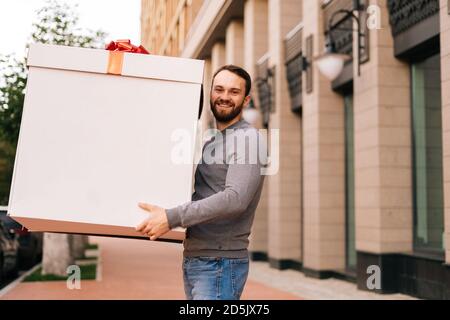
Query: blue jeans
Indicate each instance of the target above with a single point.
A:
(211, 278)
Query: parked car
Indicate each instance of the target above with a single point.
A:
(9, 249)
(30, 243)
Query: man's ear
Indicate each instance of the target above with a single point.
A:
(247, 100)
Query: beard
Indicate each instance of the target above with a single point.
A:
(225, 114)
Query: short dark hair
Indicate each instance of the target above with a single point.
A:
(239, 72)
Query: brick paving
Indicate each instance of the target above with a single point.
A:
(134, 269)
(297, 283)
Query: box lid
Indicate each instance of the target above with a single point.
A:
(134, 65)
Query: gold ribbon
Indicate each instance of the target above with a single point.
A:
(116, 50)
(115, 62)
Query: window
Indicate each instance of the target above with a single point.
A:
(427, 154)
(349, 183)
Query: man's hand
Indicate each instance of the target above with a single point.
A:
(156, 225)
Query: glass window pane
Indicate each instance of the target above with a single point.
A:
(350, 182)
(427, 154)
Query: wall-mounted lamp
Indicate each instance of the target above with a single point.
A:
(331, 63)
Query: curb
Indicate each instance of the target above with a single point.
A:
(16, 282)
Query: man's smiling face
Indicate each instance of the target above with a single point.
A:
(227, 96)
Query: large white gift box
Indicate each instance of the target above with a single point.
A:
(98, 135)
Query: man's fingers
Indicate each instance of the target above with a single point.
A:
(146, 206)
(148, 228)
(142, 225)
(157, 235)
(145, 227)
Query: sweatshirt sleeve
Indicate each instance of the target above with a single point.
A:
(241, 183)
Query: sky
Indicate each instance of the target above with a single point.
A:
(119, 18)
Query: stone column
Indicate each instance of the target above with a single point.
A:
(255, 46)
(383, 163)
(217, 56)
(324, 161)
(284, 188)
(445, 78)
(234, 43)
(383, 180)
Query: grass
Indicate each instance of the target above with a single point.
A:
(84, 258)
(88, 272)
(91, 246)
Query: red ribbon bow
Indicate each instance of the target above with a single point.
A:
(125, 46)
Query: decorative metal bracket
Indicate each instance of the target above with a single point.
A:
(361, 41)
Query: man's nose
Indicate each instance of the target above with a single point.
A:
(225, 96)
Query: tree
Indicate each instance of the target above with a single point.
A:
(56, 23)
(12, 95)
(6, 168)
(12, 92)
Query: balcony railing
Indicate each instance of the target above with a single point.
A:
(403, 14)
(342, 29)
(294, 66)
(265, 87)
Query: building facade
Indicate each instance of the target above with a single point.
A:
(363, 183)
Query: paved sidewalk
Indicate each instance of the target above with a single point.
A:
(297, 283)
(137, 269)
(134, 269)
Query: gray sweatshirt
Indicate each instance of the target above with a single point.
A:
(221, 213)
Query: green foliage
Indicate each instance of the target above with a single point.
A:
(87, 272)
(12, 94)
(7, 153)
(92, 246)
(55, 23)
